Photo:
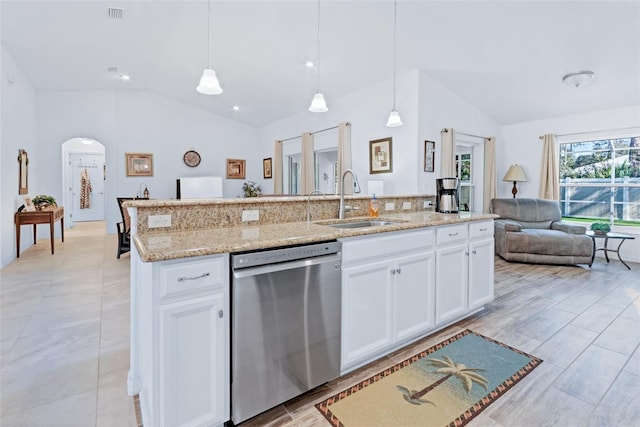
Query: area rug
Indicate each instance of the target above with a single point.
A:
(445, 385)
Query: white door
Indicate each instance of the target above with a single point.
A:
(90, 166)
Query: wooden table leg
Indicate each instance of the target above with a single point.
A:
(18, 240)
(51, 233)
(34, 233)
(62, 228)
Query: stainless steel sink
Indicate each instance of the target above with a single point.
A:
(361, 224)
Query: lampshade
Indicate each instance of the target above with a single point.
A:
(515, 173)
(394, 119)
(579, 78)
(209, 84)
(318, 105)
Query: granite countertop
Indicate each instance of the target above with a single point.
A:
(174, 245)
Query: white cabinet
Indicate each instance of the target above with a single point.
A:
(464, 269)
(184, 335)
(387, 293)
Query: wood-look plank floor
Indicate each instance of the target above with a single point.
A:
(584, 323)
(64, 349)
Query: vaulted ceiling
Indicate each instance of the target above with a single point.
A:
(506, 58)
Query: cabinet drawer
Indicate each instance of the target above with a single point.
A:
(451, 234)
(480, 229)
(383, 244)
(191, 277)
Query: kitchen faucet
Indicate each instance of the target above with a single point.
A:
(356, 189)
(308, 202)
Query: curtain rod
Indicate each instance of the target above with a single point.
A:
(593, 131)
(313, 133)
(465, 134)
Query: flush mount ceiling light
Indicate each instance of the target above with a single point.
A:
(318, 104)
(394, 117)
(209, 84)
(579, 78)
(309, 64)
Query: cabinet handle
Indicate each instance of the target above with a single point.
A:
(453, 234)
(220, 313)
(466, 253)
(483, 229)
(182, 279)
(393, 272)
(398, 270)
(473, 252)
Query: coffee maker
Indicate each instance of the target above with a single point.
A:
(447, 195)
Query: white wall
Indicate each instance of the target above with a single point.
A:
(520, 144)
(367, 111)
(440, 108)
(18, 131)
(147, 123)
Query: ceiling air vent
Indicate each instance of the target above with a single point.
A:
(114, 13)
(112, 70)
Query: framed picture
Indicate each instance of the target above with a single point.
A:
(380, 159)
(236, 168)
(266, 168)
(139, 164)
(28, 205)
(429, 156)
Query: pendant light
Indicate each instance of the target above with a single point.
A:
(318, 104)
(394, 118)
(209, 84)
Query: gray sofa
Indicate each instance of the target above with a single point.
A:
(532, 231)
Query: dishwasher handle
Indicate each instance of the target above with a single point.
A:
(272, 268)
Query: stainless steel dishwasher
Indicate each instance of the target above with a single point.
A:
(285, 324)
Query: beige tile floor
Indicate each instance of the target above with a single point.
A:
(64, 327)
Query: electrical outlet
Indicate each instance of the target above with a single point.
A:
(427, 204)
(389, 206)
(157, 221)
(252, 215)
(406, 205)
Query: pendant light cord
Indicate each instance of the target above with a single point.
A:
(209, 34)
(395, 13)
(318, 45)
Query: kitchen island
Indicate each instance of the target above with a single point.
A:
(400, 282)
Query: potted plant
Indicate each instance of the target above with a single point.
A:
(600, 227)
(251, 189)
(43, 201)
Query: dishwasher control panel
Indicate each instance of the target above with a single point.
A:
(273, 256)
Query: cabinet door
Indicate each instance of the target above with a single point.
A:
(451, 282)
(193, 362)
(366, 311)
(481, 260)
(414, 290)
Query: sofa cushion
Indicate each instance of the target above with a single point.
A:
(531, 213)
(548, 242)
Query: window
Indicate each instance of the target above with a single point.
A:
(464, 173)
(600, 180)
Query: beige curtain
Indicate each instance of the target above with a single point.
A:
(448, 153)
(344, 157)
(277, 167)
(490, 187)
(549, 176)
(307, 167)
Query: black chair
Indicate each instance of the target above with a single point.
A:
(124, 227)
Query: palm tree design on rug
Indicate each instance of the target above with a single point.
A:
(447, 366)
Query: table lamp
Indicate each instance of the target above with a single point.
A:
(515, 174)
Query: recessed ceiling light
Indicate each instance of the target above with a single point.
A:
(125, 77)
(236, 108)
(309, 64)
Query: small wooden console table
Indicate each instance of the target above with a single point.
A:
(45, 216)
(605, 249)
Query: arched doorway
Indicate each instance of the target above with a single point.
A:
(83, 178)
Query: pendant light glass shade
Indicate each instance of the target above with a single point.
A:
(318, 105)
(209, 84)
(394, 120)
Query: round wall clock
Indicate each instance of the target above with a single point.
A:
(191, 158)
